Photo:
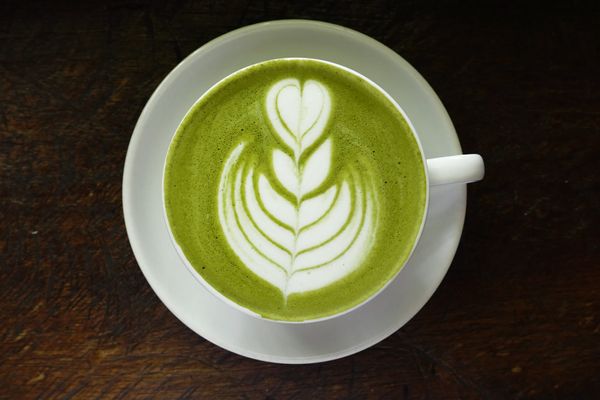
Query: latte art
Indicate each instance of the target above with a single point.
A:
(311, 227)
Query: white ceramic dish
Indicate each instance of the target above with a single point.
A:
(194, 305)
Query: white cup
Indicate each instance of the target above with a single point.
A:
(457, 169)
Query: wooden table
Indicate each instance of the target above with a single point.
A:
(517, 315)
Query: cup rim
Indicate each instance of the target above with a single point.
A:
(241, 308)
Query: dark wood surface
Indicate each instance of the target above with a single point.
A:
(517, 315)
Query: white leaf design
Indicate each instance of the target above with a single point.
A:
(260, 264)
(307, 236)
(331, 223)
(263, 222)
(286, 171)
(314, 208)
(262, 243)
(276, 204)
(316, 168)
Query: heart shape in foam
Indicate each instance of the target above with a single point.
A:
(298, 114)
(300, 108)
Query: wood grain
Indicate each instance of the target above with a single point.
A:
(518, 313)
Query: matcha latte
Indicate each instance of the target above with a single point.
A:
(295, 189)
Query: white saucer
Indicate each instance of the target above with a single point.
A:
(188, 299)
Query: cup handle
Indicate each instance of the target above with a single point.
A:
(465, 168)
